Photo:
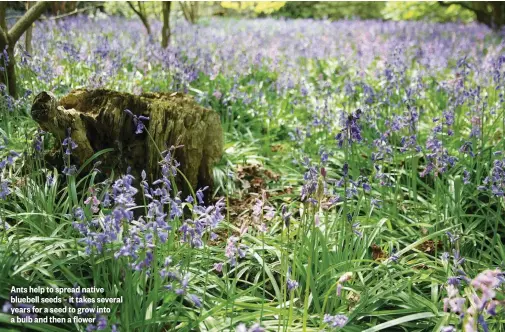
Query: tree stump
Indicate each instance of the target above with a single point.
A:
(97, 120)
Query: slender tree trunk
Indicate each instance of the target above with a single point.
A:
(194, 11)
(141, 14)
(185, 11)
(190, 11)
(9, 38)
(29, 32)
(11, 73)
(8, 62)
(165, 32)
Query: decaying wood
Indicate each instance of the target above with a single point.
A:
(98, 121)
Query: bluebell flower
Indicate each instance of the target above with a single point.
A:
(11, 156)
(291, 284)
(200, 195)
(138, 121)
(4, 189)
(6, 308)
(335, 321)
(196, 300)
(68, 143)
(69, 170)
(101, 323)
(285, 215)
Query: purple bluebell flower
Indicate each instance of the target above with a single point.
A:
(138, 121)
(218, 267)
(466, 176)
(6, 307)
(335, 321)
(458, 260)
(355, 228)
(11, 156)
(254, 328)
(452, 237)
(292, 284)
(196, 300)
(482, 322)
(91, 328)
(376, 202)
(4, 189)
(49, 180)
(68, 143)
(101, 323)
(79, 213)
(351, 132)
(69, 170)
(286, 216)
(200, 195)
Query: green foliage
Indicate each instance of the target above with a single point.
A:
(121, 8)
(332, 10)
(426, 11)
(253, 8)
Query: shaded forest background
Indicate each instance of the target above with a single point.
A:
(490, 13)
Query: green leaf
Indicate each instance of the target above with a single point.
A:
(399, 321)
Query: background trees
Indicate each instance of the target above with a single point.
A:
(9, 38)
(489, 13)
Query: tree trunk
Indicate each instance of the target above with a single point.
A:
(494, 18)
(8, 62)
(194, 11)
(190, 10)
(498, 13)
(28, 33)
(98, 121)
(9, 38)
(11, 73)
(165, 31)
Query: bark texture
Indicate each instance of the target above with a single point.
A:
(165, 30)
(98, 121)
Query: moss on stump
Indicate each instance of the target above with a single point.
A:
(98, 120)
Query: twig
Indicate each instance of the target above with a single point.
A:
(77, 11)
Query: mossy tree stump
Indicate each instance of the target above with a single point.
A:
(97, 120)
